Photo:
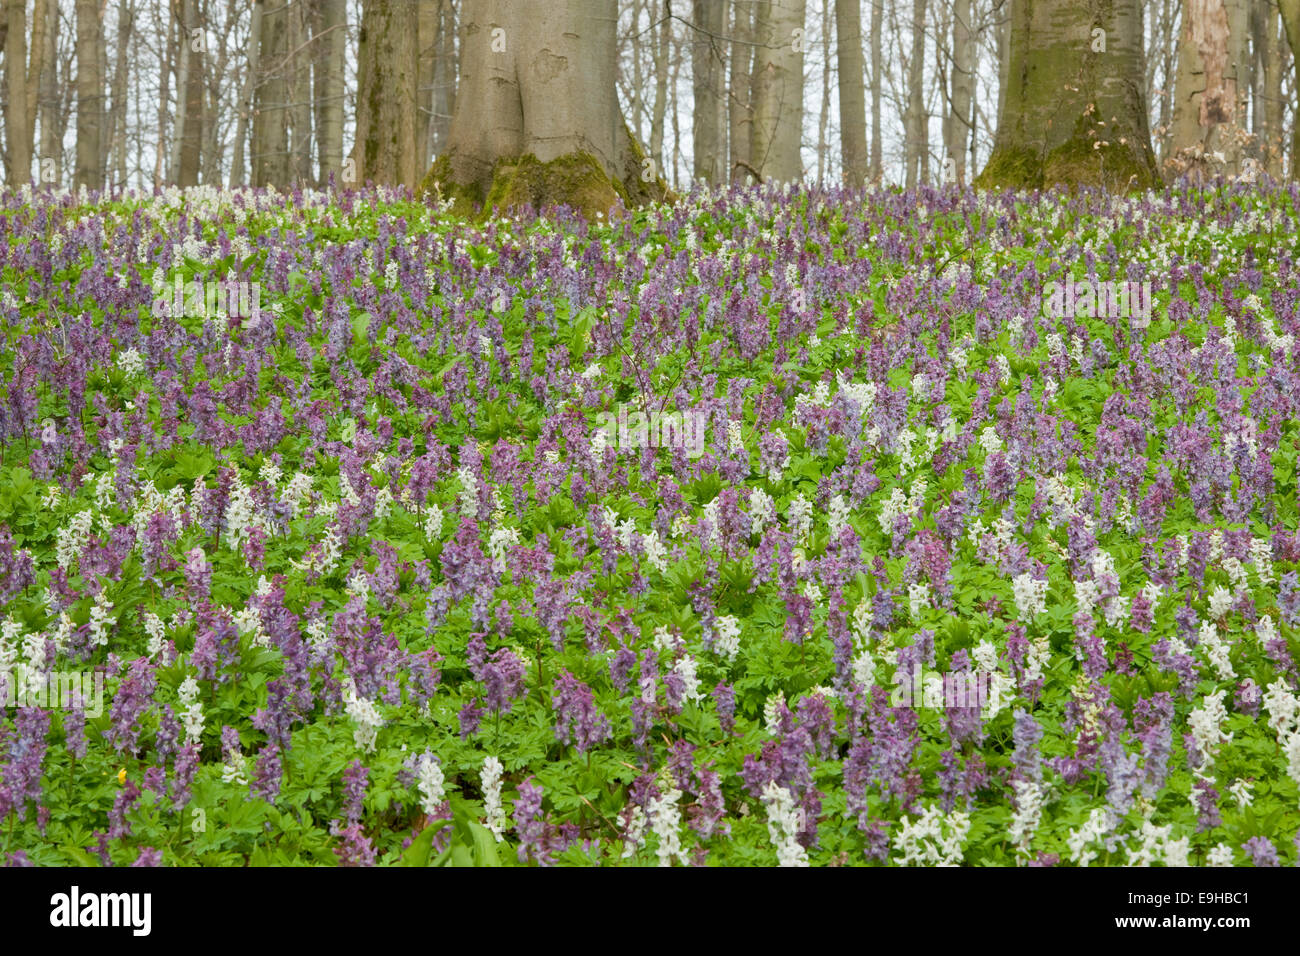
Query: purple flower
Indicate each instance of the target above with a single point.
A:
(134, 695)
(1261, 851)
(577, 719)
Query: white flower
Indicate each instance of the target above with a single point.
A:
(364, 715)
(1030, 595)
(101, 619)
(469, 492)
(1204, 723)
(799, 514)
(686, 668)
(934, 839)
(726, 637)
(1220, 855)
(131, 363)
(500, 539)
(665, 821)
(783, 825)
(495, 814)
(918, 596)
(837, 515)
(431, 783)
(772, 713)
(433, 523)
(1240, 791)
(1029, 810)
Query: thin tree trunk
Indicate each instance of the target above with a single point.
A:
(160, 171)
(916, 147)
(1290, 11)
(387, 77)
(427, 31)
(708, 117)
(444, 75)
(19, 146)
(877, 165)
(125, 26)
(958, 124)
(853, 107)
(662, 34)
(184, 89)
(246, 97)
(329, 87)
(740, 98)
(1269, 106)
(270, 117)
(299, 93)
(90, 96)
(50, 114)
(1208, 115)
(778, 90)
(824, 114)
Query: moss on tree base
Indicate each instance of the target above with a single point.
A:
(1076, 162)
(577, 180)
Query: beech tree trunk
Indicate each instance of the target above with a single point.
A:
(877, 167)
(537, 118)
(708, 126)
(388, 71)
(740, 90)
(915, 122)
(853, 105)
(247, 95)
(51, 116)
(444, 76)
(18, 139)
(1290, 11)
(270, 116)
(332, 37)
(778, 90)
(1208, 124)
(300, 131)
(1063, 82)
(958, 123)
(90, 96)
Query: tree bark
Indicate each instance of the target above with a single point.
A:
(90, 96)
(877, 167)
(957, 123)
(537, 118)
(915, 122)
(125, 28)
(708, 121)
(778, 90)
(387, 76)
(662, 33)
(853, 106)
(1209, 114)
(444, 75)
(247, 95)
(300, 131)
(270, 117)
(740, 90)
(18, 145)
(1290, 11)
(1059, 92)
(51, 115)
(332, 36)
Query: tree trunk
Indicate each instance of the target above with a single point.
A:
(708, 117)
(958, 125)
(778, 90)
(427, 33)
(740, 97)
(35, 71)
(853, 106)
(387, 76)
(191, 142)
(90, 96)
(247, 95)
(823, 115)
(1209, 118)
(300, 131)
(915, 122)
(1060, 89)
(19, 155)
(1290, 10)
(270, 117)
(444, 76)
(1265, 32)
(662, 33)
(184, 9)
(877, 167)
(537, 119)
(332, 34)
(125, 26)
(51, 115)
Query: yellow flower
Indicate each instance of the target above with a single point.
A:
(121, 776)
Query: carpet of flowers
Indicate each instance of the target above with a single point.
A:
(366, 582)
